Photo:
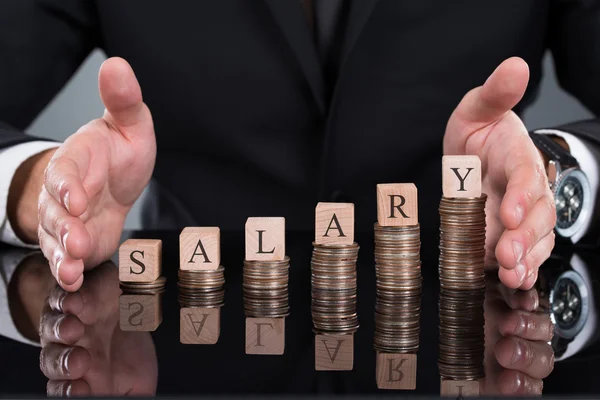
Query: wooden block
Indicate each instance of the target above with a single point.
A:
(265, 336)
(265, 238)
(334, 223)
(396, 371)
(334, 352)
(199, 325)
(458, 389)
(140, 260)
(461, 176)
(397, 204)
(200, 248)
(140, 312)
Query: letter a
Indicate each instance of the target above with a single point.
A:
(202, 252)
(334, 219)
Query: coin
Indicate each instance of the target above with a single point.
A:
(333, 288)
(202, 288)
(265, 288)
(154, 287)
(398, 288)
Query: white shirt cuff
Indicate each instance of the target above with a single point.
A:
(11, 159)
(588, 162)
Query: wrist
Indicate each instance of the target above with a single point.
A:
(23, 196)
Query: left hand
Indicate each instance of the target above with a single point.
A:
(520, 211)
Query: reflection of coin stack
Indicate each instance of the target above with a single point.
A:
(201, 285)
(266, 279)
(399, 286)
(141, 283)
(462, 278)
(333, 284)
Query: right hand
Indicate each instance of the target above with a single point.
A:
(94, 178)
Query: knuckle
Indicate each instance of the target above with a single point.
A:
(530, 355)
(530, 237)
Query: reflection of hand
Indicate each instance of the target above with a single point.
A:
(518, 355)
(520, 208)
(84, 352)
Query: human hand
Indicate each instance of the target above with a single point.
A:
(518, 356)
(520, 210)
(94, 178)
(84, 351)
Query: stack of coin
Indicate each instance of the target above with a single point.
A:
(333, 284)
(266, 288)
(462, 243)
(462, 339)
(399, 286)
(202, 288)
(155, 287)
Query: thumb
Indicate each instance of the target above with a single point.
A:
(122, 96)
(486, 104)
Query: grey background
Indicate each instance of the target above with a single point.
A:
(78, 103)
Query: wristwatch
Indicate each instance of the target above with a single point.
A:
(570, 187)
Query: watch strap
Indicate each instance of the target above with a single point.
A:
(553, 150)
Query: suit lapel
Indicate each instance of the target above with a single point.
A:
(360, 11)
(289, 16)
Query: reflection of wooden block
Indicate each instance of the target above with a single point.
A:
(461, 176)
(265, 336)
(397, 204)
(396, 371)
(200, 248)
(458, 389)
(199, 325)
(140, 312)
(334, 352)
(334, 223)
(140, 260)
(265, 238)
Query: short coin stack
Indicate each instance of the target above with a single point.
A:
(399, 287)
(202, 288)
(333, 282)
(151, 288)
(266, 288)
(462, 277)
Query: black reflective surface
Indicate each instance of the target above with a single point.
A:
(138, 362)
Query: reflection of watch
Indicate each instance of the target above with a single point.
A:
(570, 186)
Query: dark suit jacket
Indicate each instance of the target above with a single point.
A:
(243, 121)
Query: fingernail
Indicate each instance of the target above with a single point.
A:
(521, 325)
(57, 305)
(63, 239)
(517, 250)
(58, 263)
(56, 327)
(518, 353)
(535, 300)
(66, 201)
(520, 271)
(519, 213)
(69, 389)
(64, 360)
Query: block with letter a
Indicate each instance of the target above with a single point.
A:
(396, 371)
(334, 352)
(459, 389)
(198, 325)
(265, 336)
(265, 238)
(200, 248)
(140, 312)
(461, 176)
(397, 204)
(334, 223)
(140, 260)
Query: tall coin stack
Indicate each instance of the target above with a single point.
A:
(334, 286)
(398, 286)
(201, 285)
(266, 280)
(462, 278)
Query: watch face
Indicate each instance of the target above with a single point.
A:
(566, 304)
(572, 197)
(569, 202)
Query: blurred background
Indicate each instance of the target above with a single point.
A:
(78, 103)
